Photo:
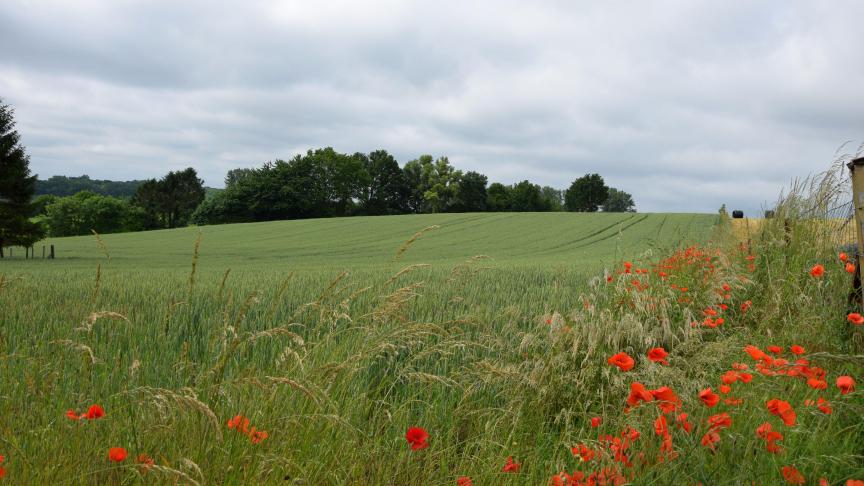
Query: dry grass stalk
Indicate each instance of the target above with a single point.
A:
(411, 241)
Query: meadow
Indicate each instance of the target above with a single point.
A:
(307, 352)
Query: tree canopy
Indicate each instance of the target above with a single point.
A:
(16, 187)
(586, 194)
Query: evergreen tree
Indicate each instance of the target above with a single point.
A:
(16, 187)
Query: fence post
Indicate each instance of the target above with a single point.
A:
(43, 252)
(52, 252)
(856, 167)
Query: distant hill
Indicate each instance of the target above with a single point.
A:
(67, 186)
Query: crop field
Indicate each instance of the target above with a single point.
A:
(428, 350)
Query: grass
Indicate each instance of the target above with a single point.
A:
(324, 341)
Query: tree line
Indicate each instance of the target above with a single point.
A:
(325, 183)
(319, 183)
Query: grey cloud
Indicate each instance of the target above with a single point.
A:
(686, 105)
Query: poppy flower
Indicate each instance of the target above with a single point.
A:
(740, 366)
(745, 306)
(795, 349)
(843, 257)
(754, 352)
(73, 415)
(817, 384)
(667, 400)
(719, 421)
(2, 471)
(782, 409)
(464, 481)
(774, 349)
(661, 426)
(416, 436)
(583, 452)
(257, 436)
(855, 318)
(846, 384)
(725, 389)
(638, 393)
(623, 361)
(595, 422)
(824, 406)
(850, 268)
(709, 398)
(658, 355)
(817, 271)
(145, 461)
(792, 475)
(95, 412)
(117, 454)
(710, 438)
(681, 419)
(511, 466)
(239, 423)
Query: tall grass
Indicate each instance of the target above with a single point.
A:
(494, 361)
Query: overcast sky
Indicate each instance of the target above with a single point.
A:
(684, 104)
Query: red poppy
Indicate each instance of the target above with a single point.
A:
(595, 422)
(95, 412)
(658, 355)
(710, 438)
(464, 481)
(117, 454)
(73, 415)
(2, 471)
(667, 400)
(583, 452)
(638, 393)
(623, 361)
(754, 352)
(745, 306)
(257, 436)
(795, 349)
(774, 349)
(850, 268)
(817, 384)
(817, 271)
(511, 466)
(240, 423)
(719, 421)
(846, 384)
(824, 406)
(145, 461)
(792, 475)
(782, 409)
(661, 426)
(709, 398)
(416, 436)
(855, 318)
(681, 419)
(725, 389)
(843, 257)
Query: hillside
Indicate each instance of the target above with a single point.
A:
(536, 239)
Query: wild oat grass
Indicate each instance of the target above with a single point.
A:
(336, 356)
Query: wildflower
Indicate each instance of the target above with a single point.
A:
(239, 423)
(658, 355)
(464, 481)
(795, 349)
(850, 268)
(719, 421)
(667, 400)
(681, 419)
(846, 384)
(117, 454)
(511, 466)
(774, 349)
(746, 305)
(855, 318)
(416, 436)
(817, 384)
(792, 475)
(709, 398)
(740, 366)
(843, 257)
(824, 406)
(623, 361)
(583, 452)
(638, 393)
(146, 462)
(73, 415)
(595, 422)
(782, 409)
(95, 412)
(725, 389)
(710, 438)
(817, 271)
(754, 352)
(726, 287)
(257, 436)
(2, 471)
(661, 426)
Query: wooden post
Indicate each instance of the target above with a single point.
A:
(43, 252)
(857, 169)
(52, 252)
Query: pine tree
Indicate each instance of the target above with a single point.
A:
(16, 187)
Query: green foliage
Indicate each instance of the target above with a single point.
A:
(384, 189)
(16, 187)
(499, 197)
(471, 193)
(619, 202)
(528, 197)
(586, 194)
(170, 201)
(68, 186)
(86, 211)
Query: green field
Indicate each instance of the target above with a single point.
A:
(491, 332)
